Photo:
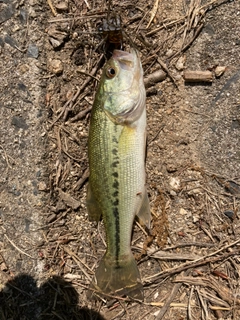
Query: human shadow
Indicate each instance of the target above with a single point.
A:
(56, 299)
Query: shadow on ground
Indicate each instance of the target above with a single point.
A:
(21, 299)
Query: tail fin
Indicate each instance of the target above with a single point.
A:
(118, 278)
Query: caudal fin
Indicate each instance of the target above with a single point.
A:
(118, 279)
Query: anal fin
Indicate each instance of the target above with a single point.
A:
(144, 214)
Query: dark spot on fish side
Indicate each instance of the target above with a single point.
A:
(116, 202)
(115, 174)
(114, 151)
(115, 164)
(114, 139)
(115, 184)
(116, 213)
(115, 193)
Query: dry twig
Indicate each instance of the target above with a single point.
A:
(212, 283)
(52, 7)
(155, 77)
(198, 76)
(77, 260)
(213, 299)
(203, 304)
(16, 247)
(153, 13)
(82, 180)
(198, 262)
(68, 105)
(189, 311)
(170, 298)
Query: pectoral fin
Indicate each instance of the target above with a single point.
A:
(94, 212)
(144, 215)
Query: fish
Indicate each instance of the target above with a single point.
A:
(117, 180)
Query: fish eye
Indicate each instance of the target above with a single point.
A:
(110, 73)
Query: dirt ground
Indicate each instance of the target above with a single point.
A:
(51, 56)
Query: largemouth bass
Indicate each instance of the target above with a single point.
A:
(116, 190)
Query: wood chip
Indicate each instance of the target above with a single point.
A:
(219, 71)
(69, 200)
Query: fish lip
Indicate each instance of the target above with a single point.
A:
(120, 54)
(126, 60)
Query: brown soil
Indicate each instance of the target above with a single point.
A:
(48, 248)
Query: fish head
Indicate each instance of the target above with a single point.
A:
(122, 87)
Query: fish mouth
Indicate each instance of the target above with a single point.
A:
(125, 59)
(122, 54)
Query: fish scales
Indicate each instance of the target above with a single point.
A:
(117, 181)
(119, 174)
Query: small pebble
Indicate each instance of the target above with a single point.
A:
(55, 43)
(229, 214)
(173, 193)
(183, 211)
(219, 71)
(169, 53)
(195, 219)
(32, 51)
(9, 40)
(23, 68)
(6, 12)
(174, 183)
(171, 167)
(1, 42)
(180, 63)
(62, 6)
(23, 16)
(56, 66)
(53, 32)
(60, 206)
(42, 186)
(3, 266)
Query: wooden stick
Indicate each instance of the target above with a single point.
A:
(198, 76)
(156, 76)
(52, 7)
